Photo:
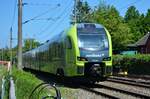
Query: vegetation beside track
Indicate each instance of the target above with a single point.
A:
(26, 82)
(135, 64)
(5, 76)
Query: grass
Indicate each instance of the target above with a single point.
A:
(4, 74)
(68, 93)
(3, 71)
(25, 83)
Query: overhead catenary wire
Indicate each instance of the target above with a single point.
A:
(46, 19)
(13, 20)
(39, 15)
(14, 12)
(39, 4)
(46, 28)
(56, 25)
(60, 15)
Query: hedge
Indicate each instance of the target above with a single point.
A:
(134, 64)
(25, 82)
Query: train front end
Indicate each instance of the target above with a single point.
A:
(94, 58)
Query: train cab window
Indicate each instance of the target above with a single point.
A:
(68, 43)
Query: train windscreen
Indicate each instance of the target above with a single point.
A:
(93, 44)
(96, 40)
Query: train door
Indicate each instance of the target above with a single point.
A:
(68, 50)
(69, 57)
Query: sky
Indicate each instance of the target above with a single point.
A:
(53, 16)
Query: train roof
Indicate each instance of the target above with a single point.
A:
(95, 25)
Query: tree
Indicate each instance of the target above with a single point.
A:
(132, 14)
(81, 12)
(4, 54)
(132, 18)
(121, 37)
(146, 22)
(30, 44)
(143, 24)
(110, 18)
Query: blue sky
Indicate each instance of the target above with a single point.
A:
(42, 29)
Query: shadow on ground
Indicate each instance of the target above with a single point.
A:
(74, 83)
(70, 82)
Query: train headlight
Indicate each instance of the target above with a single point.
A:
(107, 59)
(81, 59)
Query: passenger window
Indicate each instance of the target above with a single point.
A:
(68, 43)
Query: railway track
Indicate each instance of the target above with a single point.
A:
(143, 77)
(126, 92)
(99, 93)
(105, 91)
(128, 81)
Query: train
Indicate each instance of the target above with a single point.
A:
(82, 50)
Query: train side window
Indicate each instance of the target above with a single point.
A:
(68, 43)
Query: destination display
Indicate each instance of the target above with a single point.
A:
(91, 30)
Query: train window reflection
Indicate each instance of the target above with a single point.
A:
(93, 41)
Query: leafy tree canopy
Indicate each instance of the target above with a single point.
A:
(131, 14)
(110, 18)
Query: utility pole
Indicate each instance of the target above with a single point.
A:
(10, 50)
(20, 34)
(1, 55)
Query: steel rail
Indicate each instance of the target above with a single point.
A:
(99, 93)
(124, 91)
(131, 80)
(129, 83)
(143, 77)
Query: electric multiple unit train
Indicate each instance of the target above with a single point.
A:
(83, 50)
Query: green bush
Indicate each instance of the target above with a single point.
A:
(134, 64)
(25, 83)
(7, 86)
(4, 75)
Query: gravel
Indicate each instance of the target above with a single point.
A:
(144, 91)
(82, 94)
(117, 94)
